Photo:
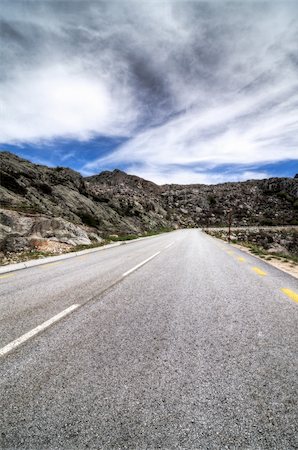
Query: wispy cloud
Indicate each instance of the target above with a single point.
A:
(185, 175)
(189, 84)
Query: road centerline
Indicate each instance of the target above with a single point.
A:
(291, 294)
(40, 328)
(169, 245)
(140, 264)
(258, 271)
(25, 337)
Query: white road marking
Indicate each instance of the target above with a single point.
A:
(36, 330)
(139, 265)
(168, 246)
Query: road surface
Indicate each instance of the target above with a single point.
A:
(179, 341)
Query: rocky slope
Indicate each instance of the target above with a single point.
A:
(57, 205)
(272, 201)
(273, 240)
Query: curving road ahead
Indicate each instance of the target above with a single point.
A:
(177, 341)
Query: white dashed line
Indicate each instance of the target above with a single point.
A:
(139, 265)
(25, 337)
(36, 330)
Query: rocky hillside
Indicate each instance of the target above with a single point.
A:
(272, 201)
(41, 204)
(276, 240)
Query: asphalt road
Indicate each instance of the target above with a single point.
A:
(194, 349)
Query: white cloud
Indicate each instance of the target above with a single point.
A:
(188, 176)
(190, 83)
(60, 101)
(234, 133)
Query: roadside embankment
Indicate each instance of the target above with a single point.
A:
(278, 245)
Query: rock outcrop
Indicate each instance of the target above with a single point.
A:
(274, 240)
(42, 204)
(19, 232)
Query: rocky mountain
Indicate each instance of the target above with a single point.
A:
(46, 206)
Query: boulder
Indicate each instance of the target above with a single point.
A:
(16, 243)
(60, 230)
(277, 248)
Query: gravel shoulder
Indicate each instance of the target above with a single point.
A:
(288, 267)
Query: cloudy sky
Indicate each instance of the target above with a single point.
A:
(173, 91)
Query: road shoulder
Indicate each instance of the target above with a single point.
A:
(287, 267)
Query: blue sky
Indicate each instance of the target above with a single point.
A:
(66, 152)
(174, 91)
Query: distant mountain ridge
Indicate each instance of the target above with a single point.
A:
(115, 202)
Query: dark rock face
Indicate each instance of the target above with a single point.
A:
(273, 201)
(113, 202)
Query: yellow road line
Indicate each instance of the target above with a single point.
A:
(7, 275)
(229, 252)
(44, 266)
(259, 271)
(291, 294)
(241, 259)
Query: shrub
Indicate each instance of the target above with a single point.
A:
(89, 219)
(211, 200)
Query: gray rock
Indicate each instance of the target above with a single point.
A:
(278, 248)
(16, 243)
(59, 204)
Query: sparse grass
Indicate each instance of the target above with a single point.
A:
(262, 253)
(158, 231)
(78, 248)
(129, 237)
(35, 254)
(12, 258)
(125, 237)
